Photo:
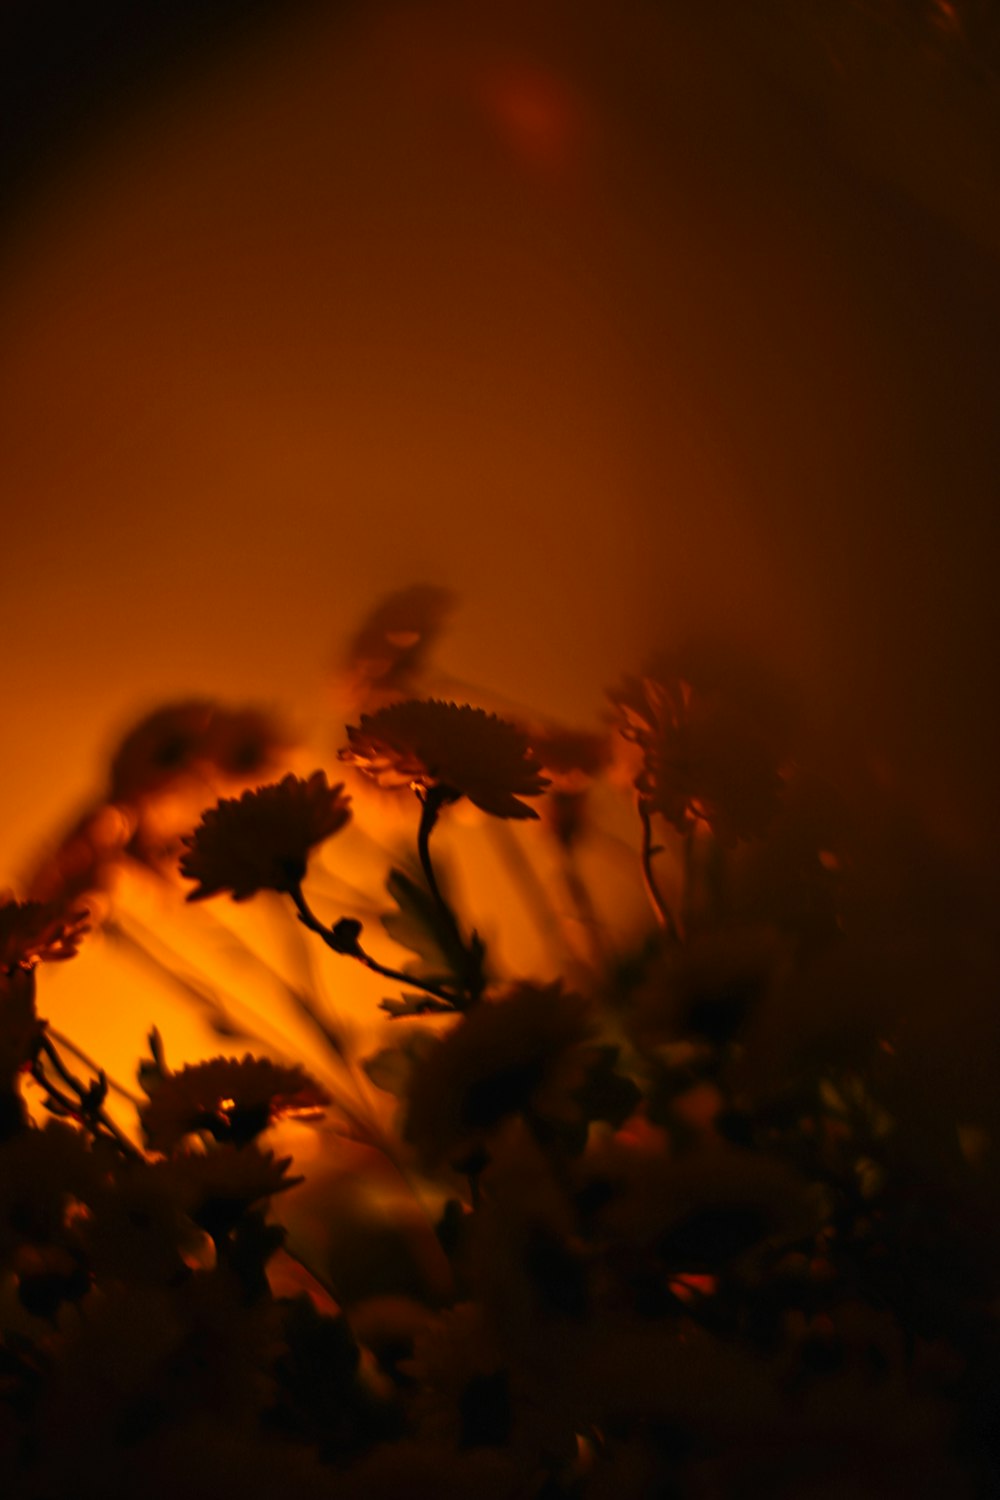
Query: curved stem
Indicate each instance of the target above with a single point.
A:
(661, 910)
(430, 807)
(343, 939)
(473, 980)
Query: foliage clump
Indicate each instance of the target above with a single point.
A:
(673, 1214)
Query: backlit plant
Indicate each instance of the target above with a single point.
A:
(675, 1217)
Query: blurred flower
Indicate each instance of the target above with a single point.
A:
(84, 863)
(217, 1187)
(137, 1230)
(261, 841)
(710, 987)
(571, 758)
(193, 737)
(162, 746)
(233, 1099)
(701, 1210)
(389, 652)
(461, 751)
(33, 931)
(41, 1173)
(244, 744)
(522, 1053)
(712, 752)
(468, 1395)
(799, 878)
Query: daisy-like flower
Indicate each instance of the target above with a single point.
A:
(524, 1052)
(262, 840)
(458, 750)
(231, 1098)
(705, 759)
(38, 931)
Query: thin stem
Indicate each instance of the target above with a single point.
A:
(76, 1051)
(431, 802)
(342, 938)
(660, 908)
(430, 807)
(86, 1107)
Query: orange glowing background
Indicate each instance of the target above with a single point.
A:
(624, 322)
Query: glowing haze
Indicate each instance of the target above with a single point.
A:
(623, 322)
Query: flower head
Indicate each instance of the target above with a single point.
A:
(261, 841)
(504, 1057)
(231, 1098)
(34, 931)
(707, 756)
(462, 751)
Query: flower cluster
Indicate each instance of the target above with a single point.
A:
(693, 1198)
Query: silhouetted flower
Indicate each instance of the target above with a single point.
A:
(231, 1098)
(261, 841)
(706, 757)
(33, 931)
(461, 751)
(524, 1052)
